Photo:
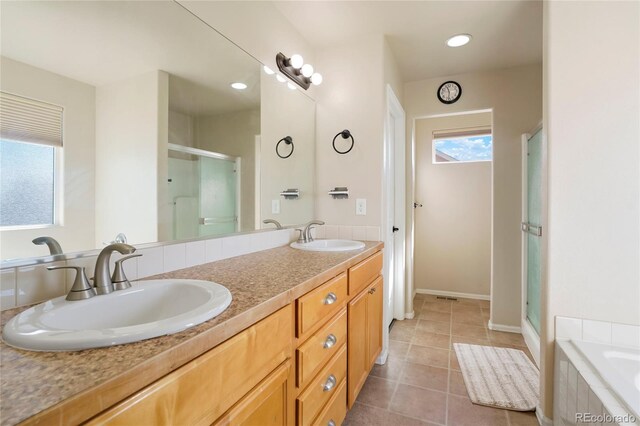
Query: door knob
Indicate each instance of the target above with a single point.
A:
(395, 229)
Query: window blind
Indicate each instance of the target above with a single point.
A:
(461, 133)
(27, 120)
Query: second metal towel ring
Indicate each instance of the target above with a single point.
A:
(345, 135)
(287, 140)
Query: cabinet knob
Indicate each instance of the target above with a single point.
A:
(330, 383)
(331, 340)
(373, 290)
(330, 299)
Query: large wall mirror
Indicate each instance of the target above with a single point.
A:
(124, 119)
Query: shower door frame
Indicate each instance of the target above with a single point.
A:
(531, 337)
(218, 156)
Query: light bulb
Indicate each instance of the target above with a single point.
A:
(291, 86)
(280, 78)
(458, 40)
(296, 61)
(307, 70)
(268, 70)
(316, 79)
(239, 86)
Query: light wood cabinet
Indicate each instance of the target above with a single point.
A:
(364, 336)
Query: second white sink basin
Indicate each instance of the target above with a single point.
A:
(329, 245)
(148, 309)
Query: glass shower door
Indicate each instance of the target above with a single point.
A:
(533, 228)
(218, 209)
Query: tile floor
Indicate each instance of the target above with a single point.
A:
(421, 383)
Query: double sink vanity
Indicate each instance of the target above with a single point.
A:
(294, 346)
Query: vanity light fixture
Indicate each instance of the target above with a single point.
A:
(458, 40)
(300, 73)
(239, 86)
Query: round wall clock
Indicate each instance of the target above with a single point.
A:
(449, 92)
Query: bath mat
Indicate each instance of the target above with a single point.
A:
(499, 377)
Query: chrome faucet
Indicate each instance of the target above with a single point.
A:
(306, 234)
(275, 222)
(54, 246)
(102, 276)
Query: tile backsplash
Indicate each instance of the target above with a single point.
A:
(26, 285)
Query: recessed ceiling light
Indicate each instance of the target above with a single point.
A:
(458, 40)
(239, 86)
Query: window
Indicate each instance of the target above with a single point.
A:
(30, 136)
(462, 146)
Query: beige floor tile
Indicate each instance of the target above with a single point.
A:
(435, 316)
(468, 309)
(462, 412)
(364, 415)
(468, 318)
(454, 364)
(465, 330)
(434, 326)
(469, 340)
(522, 418)
(437, 306)
(402, 334)
(434, 340)
(456, 383)
(377, 392)
(486, 313)
(508, 338)
(420, 403)
(398, 349)
(390, 370)
(425, 376)
(428, 356)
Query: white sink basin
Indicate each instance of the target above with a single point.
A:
(148, 309)
(329, 245)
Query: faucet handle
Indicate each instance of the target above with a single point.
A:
(301, 239)
(119, 279)
(81, 288)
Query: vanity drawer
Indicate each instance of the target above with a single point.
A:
(315, 352)
(202, 390)
(336, 410)
(364, 272)
(320, 304)
(322, 388)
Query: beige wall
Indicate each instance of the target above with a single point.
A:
(131, 164)
(351, 99)
(593, 134)
(78, 99)
(234, 134)
(515, 97)
(453, 229)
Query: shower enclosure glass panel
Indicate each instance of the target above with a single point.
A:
(204, 193)
(534, 218)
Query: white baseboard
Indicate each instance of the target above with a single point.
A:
(532, 340)
(382, 358)
(453, 294)
(544, 421)
(505, 328)
(410, 315)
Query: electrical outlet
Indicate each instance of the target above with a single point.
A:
(361, 206)
(275, 206)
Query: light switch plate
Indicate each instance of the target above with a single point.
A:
(275, 206)
(361, 206)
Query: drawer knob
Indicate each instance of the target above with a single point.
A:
(330, 299)
(373, 290)
(331, 340)
(331, 423)
(330, 383)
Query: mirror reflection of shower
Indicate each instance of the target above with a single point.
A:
(204, 191)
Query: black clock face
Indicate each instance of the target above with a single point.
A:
(449, 92)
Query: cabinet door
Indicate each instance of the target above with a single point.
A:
(357, 350)
(374, 321)
(266, 405)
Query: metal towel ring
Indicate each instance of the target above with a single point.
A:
(287, 140)
(345, 135)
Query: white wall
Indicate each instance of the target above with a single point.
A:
(592, 126)
(234, 134)
(453, 228)
(515, 96)
(131, 150)
(78, 99)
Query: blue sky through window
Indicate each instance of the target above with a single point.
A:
(475, 148)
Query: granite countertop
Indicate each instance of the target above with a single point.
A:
(48, 383)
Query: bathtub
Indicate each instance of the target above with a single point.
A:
(619, 367)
